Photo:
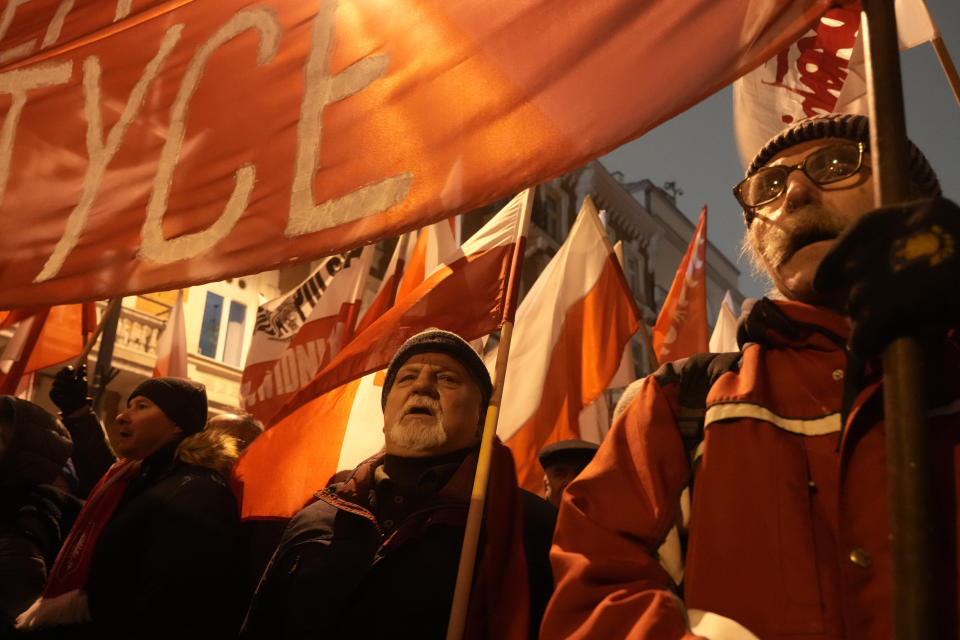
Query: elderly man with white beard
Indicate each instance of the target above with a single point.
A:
(377, 555)
(744, 495)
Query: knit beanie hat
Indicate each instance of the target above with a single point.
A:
(183, 401)
(440, 341)
(36, 443)
(851, 127)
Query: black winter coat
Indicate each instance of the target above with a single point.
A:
(339, 573)
(34, 520)
(168, 562)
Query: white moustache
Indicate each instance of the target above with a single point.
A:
(421, 402)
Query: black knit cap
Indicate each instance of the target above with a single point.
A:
(38, 444)
(848, 126)
(183, 401)
(440, 341)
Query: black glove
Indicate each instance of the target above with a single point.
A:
(69, 390)
(900, 268)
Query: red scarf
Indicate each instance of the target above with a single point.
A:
(72, 567)
(500, 598)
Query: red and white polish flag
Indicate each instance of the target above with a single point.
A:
(297, 334)
(172, 344)
(568, 342)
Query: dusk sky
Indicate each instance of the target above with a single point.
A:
(697, 148)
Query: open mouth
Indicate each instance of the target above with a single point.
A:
(806, 238)
(423, 411)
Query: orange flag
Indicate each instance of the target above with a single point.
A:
(45, 338)
(195, 141)
(472, 293)
(681, 328)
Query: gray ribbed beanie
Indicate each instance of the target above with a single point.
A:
(440, 341)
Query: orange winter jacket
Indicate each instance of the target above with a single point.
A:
(786, 535)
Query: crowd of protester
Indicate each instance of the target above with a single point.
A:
(138, 535)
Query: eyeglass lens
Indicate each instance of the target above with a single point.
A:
(822, 167)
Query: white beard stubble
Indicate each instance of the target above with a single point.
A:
(415, 435)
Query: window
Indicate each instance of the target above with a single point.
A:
(218, 339)
(210, 327)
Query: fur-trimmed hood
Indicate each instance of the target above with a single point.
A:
(211, 449)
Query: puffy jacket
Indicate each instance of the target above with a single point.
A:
(168, 563)
(786, 535)
(339, 572)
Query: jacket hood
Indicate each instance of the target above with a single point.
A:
(211, 449)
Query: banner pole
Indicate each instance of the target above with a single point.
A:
(88, 347)
(946, 62)
(478, 497)
(913, 591)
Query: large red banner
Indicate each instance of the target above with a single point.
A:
(150, 145)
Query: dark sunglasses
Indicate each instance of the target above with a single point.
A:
(823, 166)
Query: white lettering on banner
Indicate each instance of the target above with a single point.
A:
(100, 150)
(297, 367)
(154, 246)
(288, 364)
(123, 9)
(56, 24)
(21, 49)
(17, 83)
(320, 89)
(49, 37)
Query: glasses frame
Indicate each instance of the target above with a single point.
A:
(786, 170)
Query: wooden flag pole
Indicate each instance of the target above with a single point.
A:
(948, 67)
(908, 472)
(478, 497)
(88, 347)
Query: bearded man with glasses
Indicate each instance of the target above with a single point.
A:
(743, 495)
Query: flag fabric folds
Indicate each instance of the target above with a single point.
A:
(821, 72)
(43, 338)
(195, 141)
(568, 342)
(335, 421)
(172, 344)
(387, 293)
(297, 334)
(681, 328)
(724, 336)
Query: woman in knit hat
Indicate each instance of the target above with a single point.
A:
(154, 551)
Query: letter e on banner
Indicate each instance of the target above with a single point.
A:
(320, 89)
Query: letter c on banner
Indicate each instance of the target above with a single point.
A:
(154, 246)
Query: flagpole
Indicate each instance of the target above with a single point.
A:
(908, 475)
(946, 62)
(356, 296)
(478, 497)
(88, 347)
